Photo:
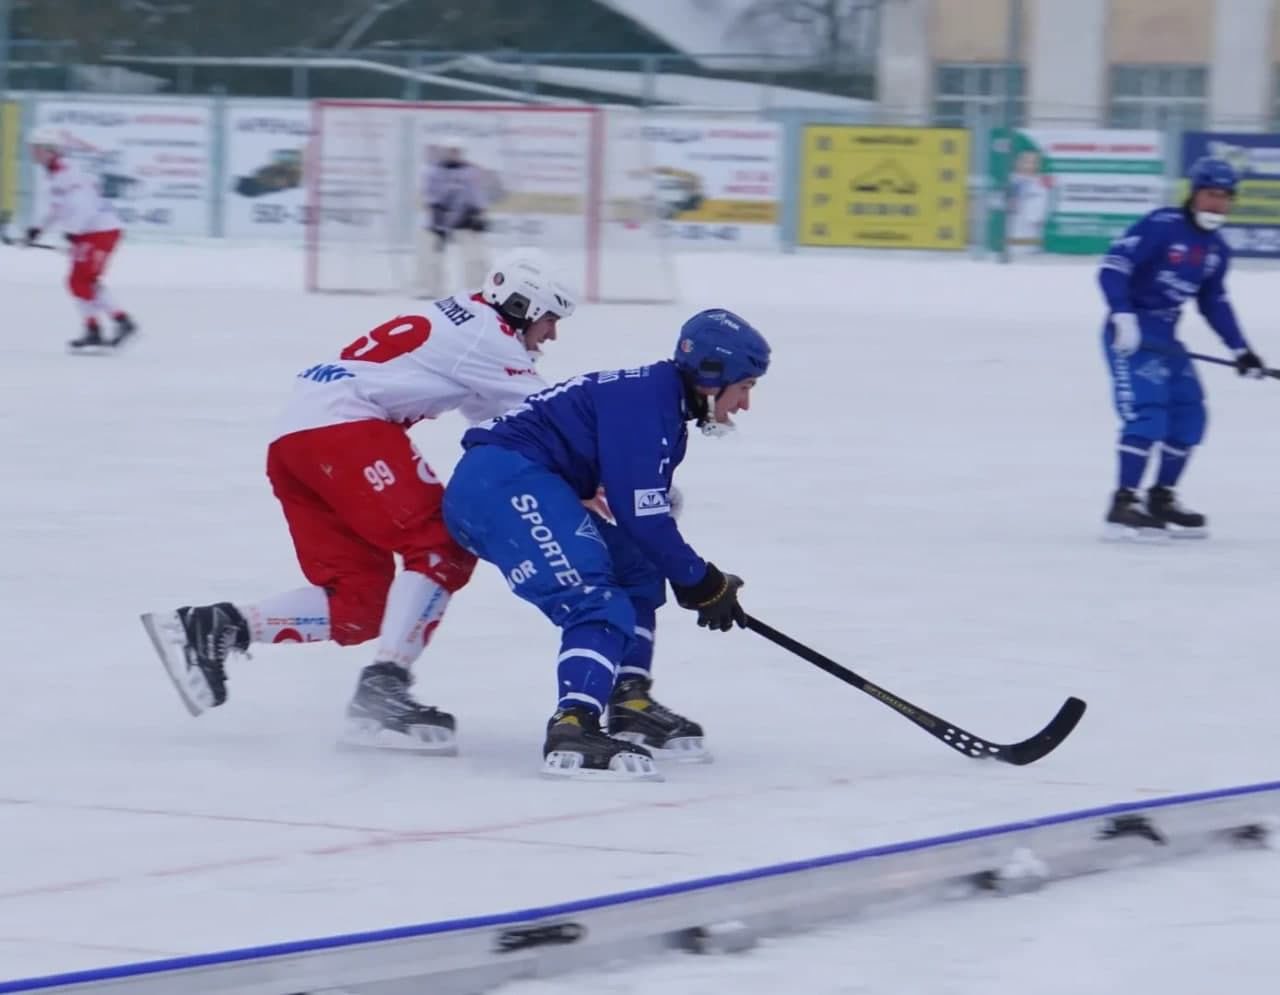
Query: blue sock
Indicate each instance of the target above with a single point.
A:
(1133, 452)
(1173, 460)
(639, 659)
(589, 656)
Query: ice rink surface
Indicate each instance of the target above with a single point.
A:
(917, 491)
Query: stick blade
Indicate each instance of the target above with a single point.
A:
(1047, 739)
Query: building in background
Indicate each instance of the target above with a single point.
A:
(1172, 65)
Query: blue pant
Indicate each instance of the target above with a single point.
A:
(1157, 394)
(583, 573)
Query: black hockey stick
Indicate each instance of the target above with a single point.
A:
(1019, 754)
(1266, 371)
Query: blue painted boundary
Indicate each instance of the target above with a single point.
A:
(620, 898)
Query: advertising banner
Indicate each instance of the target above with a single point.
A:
(1072, 190)
(263, 158)
(9, 157)
(716, 182)
(903, 188)
(1253, 227)
(153, 159)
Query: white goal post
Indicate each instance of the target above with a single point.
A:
(577, 181)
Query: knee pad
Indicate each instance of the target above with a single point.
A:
(1149, 421)
(356, 605)
(445, 562)
(604, 604)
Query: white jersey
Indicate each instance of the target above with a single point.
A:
(76, 204)
(453, 192)
(457, 354)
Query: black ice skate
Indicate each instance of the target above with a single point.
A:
(1128, 520)
(576, 747)
(125, 327)
(383, 715)
(194, 644)
(636, 717)
(1162, 504)
(90, 341)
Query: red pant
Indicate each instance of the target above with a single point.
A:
(89, 255)
(354, 494)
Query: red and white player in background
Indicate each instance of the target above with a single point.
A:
(91, 225)
(355, 491)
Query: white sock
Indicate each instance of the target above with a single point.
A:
(415, 603)
(300, 616)
(87, 308)
(104, 302)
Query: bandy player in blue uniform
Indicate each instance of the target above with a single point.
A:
(1166, 258)
(517, 499)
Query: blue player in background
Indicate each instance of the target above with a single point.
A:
(1164, 259)
(517, 499)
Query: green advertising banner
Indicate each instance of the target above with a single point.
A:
(1070, 191)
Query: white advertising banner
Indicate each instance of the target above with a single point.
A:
(717, 181)
(152, 158)
(263, 160)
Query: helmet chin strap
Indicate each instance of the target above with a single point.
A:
(707, 423)
(1209, 221)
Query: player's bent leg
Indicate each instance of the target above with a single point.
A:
(531, 526)
(1140, 394)
(382, 714)
(634, 714)
(1188, 420)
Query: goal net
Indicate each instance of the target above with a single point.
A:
(575, 181)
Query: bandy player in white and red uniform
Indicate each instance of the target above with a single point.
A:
(93, 228)
(355, 491)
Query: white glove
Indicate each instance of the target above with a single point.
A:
(1128, 339)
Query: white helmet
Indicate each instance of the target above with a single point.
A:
(45, 135)
(523, 285)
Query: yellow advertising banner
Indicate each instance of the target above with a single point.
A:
(8, 157)
(903, 188)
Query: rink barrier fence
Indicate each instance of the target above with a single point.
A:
(719, 913)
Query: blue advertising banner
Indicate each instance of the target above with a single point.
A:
(1253, 229)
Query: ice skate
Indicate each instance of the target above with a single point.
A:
(1128, 521)
(636, 717)
(1162, 505)
(125, 328)
(193, 644)
(576, 748)
(383, 715)
(90, 342)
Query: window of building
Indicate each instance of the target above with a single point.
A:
(1168, 98)
(971, 94)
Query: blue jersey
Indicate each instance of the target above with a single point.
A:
(1162, 261)
(623, 430)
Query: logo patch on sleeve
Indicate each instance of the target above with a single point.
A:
(652, 501)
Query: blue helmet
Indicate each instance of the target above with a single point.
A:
(719, 348)
(1218, 174)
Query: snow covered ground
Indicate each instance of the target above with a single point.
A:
(917, 491)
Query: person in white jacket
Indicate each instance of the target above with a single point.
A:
(90, 223)
(356, 493)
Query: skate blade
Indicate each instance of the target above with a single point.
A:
(90, 350)
(563, 765)
(367, 734)
(680, 749)
(170, 639)
(1195, 532)
(1112, 532)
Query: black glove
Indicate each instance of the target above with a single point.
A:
(438, 226)
(32, 235)
(715, 599)
(1249, 365)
